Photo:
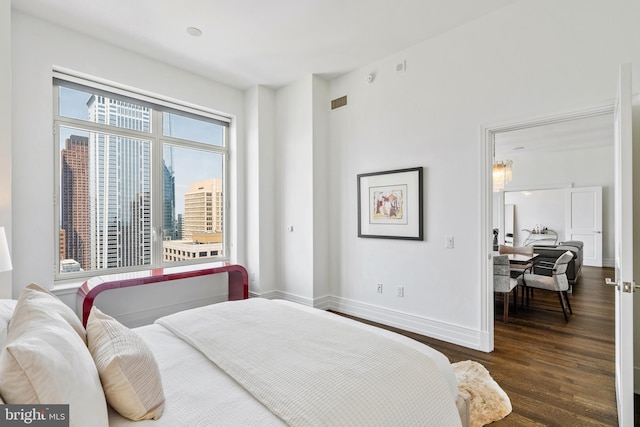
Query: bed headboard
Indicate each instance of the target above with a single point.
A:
(87, 293)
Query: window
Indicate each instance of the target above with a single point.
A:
(136, 178)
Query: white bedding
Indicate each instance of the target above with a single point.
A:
(197, 392)
(220, 399)
(314, 371)
(440, 359)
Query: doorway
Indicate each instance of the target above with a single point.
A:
(545, 140)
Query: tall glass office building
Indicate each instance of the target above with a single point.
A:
(169, 203)
(120, 184)
(74, 209)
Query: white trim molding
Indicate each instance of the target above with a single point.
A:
(409, 322)
(286, 296)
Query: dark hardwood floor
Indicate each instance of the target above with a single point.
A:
(555, 373)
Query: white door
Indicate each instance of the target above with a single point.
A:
(624, 249)
(583, 221)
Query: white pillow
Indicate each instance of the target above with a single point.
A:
(6, 311)
(43, 304)
(45, 361)
(128, 370)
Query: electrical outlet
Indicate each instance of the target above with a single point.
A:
(379, 288)
(400, 291)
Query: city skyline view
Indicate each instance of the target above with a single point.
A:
(190, 166)
(106, 186)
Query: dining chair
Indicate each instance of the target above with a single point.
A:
(556, 280)
(518, 270)
(504, 283)
(522, 250)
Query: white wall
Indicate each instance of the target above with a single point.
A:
(261, 246)
(36, 47)
(528, 59)
(323, 201)
(293, 193)
(544, 207)
(578, 168)
(5, 136)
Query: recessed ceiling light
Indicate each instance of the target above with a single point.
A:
(195, 32)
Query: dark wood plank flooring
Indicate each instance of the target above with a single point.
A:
(555, 373)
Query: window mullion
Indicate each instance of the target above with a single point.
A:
(193, 144)
(99, 127)
(157, 189)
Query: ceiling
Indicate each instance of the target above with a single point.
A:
(258, 42)
(576, 134)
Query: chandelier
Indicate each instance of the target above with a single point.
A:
(501, 174)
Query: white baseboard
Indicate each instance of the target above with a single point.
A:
(408, 322)
(286, 296)
(608, 262)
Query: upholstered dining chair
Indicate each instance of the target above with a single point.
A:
(523, 250)
(555, 281)
(518, 270)
(503, 282)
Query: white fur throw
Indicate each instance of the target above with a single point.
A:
(489, 402)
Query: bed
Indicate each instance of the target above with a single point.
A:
(247, 362)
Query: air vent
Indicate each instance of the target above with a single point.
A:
(339, 102)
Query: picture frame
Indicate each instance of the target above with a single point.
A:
(390, 204)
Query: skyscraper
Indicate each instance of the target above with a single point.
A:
(74, 203)
(203, 208)
(120, 185)
(168, 203)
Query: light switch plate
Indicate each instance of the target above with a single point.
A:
(448, 242)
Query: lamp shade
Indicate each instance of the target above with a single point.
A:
(5, 258)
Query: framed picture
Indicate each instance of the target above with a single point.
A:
(390, 204)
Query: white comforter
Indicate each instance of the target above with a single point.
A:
(326, 370)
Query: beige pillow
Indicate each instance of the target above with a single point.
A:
(42, 303)
(128, 370)
(46, 362)
(6, 311)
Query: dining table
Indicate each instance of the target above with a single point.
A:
(518, 260)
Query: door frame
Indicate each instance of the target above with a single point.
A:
(487, 134)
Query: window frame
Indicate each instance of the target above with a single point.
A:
(158, 105)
